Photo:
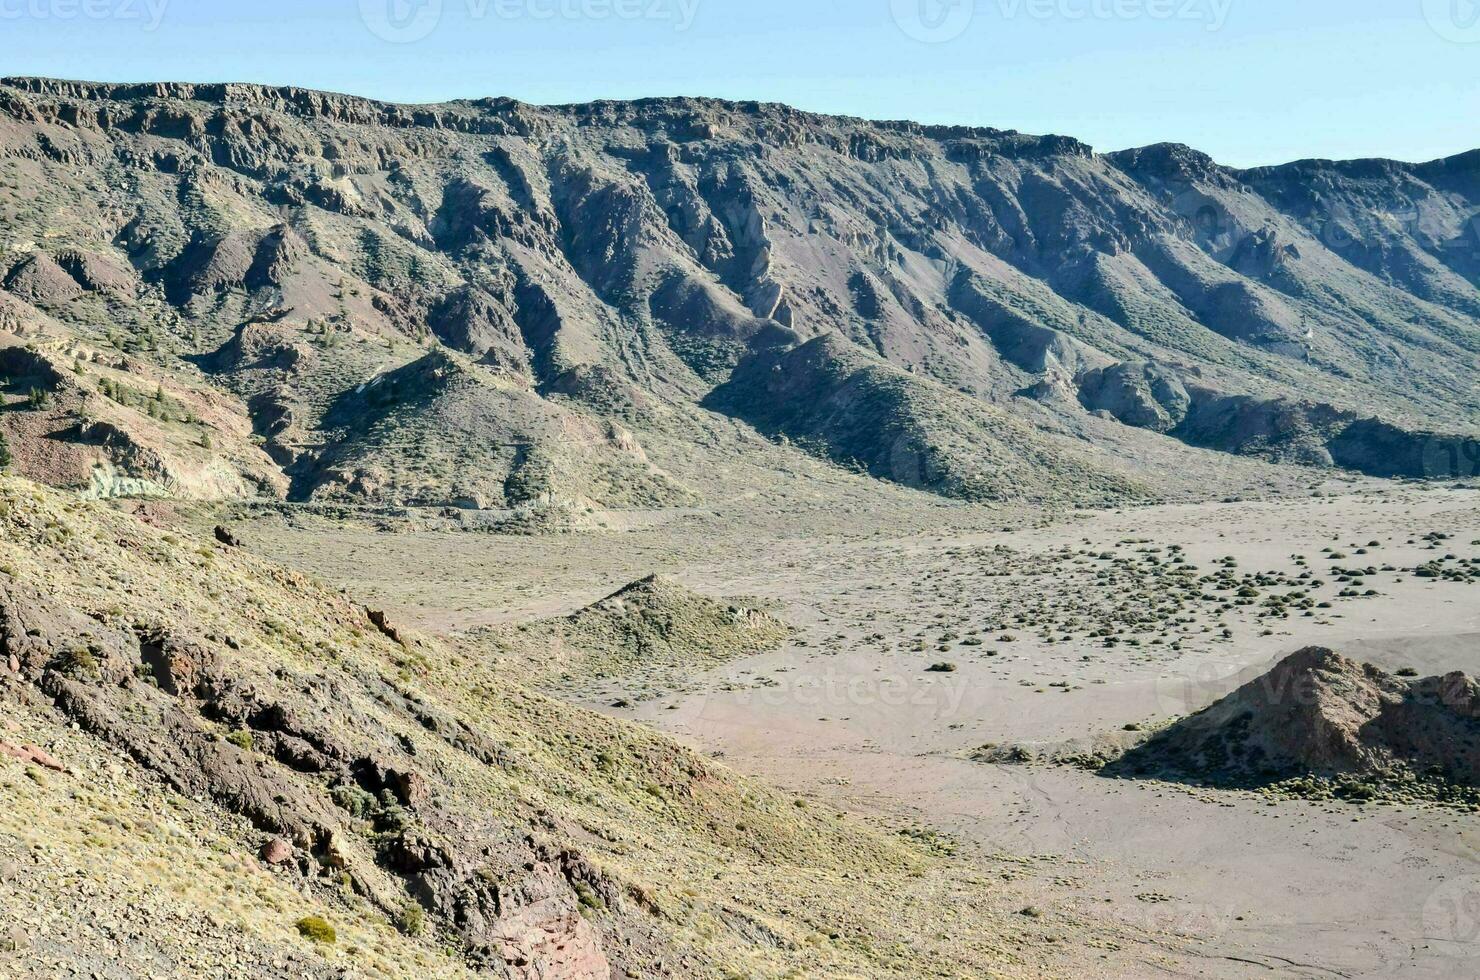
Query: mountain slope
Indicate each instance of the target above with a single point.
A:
(625, 260)
(220, 748)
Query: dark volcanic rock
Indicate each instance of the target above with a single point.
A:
(40, 280)
(515, 903)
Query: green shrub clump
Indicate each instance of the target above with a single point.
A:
(314, 927)
(411, 920)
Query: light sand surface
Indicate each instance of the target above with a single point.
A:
(848, 712)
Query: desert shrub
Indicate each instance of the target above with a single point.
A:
(587, 896)
(411, 920)
(353, 800)
(394, 820)
(241, 739)
(77, 662)
(314, 927)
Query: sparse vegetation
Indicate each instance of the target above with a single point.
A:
(78, 661)
(317, 929)
(412, 919)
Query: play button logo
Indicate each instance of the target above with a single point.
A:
(1454, 20)
(401, 21)
(933, 21)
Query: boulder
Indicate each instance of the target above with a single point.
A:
(276, 852)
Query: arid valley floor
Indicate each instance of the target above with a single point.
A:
(1200, 882)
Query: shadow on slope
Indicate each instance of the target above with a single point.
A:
(831, 396)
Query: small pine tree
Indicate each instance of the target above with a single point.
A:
(39, 398)
(5, 458)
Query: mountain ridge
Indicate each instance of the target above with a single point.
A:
(44, 84)
(621, 262)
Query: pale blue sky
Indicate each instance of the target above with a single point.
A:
(1250, 81)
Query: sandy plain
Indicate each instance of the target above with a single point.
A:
(1232, 884)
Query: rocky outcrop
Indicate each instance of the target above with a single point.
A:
(1147, 396)
(525, 449)
(1318, 713)
(287, 753)
(277, 253)
(97, 273)
(32, 754)
(1381, 448)
(472, 321)
(548, 937)
(855, 409)
(1278, 429)
(39, 280)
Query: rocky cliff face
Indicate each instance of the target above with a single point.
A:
(658, 263)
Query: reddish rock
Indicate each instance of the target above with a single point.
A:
(382, 622)
(413, 790)
(544, 941)
(541, 933)
(276, 852)
(32, 754)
